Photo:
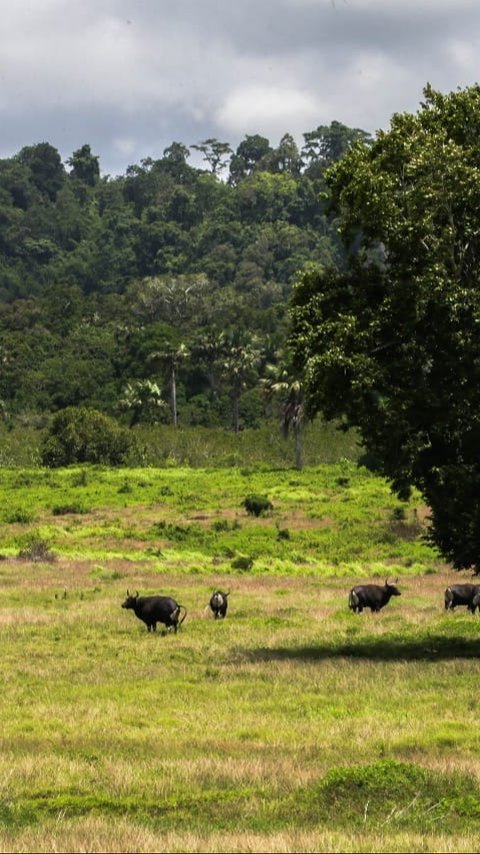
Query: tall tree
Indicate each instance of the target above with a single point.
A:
(175, 299)
(328, 143)
(172, 356)
(84, 166)
(174, 163)
(239, 364)
(286, 158)
(391, 344)
(46, 168)
(215, 153)
(280, 381)
(253, 153)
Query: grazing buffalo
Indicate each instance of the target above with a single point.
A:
(219, 603)
(372, 596)
(463, 594)
(156, 609)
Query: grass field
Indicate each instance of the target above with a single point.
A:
(292, 726)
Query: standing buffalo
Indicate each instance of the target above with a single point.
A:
(372, 596)
(219, 603)
(156, 609)
(463, 594)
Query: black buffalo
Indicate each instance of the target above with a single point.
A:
(219, 603)
(156, 609)
(463, 594)
(373, 596)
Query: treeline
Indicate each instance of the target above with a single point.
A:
(162, 293)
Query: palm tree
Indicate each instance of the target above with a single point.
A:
(143, 399)
(280, 381)
(172, 356)
(238, 365)
(208, 350)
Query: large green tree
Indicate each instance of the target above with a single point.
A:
(84, 166)
(327, 144)
(46, 168)
(391, 343)
(215, 153)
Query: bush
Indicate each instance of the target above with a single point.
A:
(34, 547)
(256, 505)
(82, 435)
(21, 516)
(67, 509)
(243, 562)
(251, 408)
(80, 479)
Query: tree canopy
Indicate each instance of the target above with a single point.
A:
(390, 342)
(98, 274)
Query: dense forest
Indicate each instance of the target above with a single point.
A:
(161, 294)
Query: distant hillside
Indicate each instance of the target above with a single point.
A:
(114, 292)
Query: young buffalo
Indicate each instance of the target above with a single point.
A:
(219, 603)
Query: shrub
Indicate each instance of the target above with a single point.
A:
(80, 479)
(256, 505)
(242, 562)
(220, 525)
(82, 435)
(67, 509)
(21, 516)
(36, 548)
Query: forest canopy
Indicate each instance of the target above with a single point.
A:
(162, 293)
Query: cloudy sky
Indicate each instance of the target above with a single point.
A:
(128, 77)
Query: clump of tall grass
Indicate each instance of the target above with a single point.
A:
(20, 516)
(257, 505)
(36, 548)
(242, 562)
(68, 509)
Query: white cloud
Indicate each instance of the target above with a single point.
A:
(463, 55)
(125, 145)
(278, 109)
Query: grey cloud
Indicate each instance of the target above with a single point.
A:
(130, 76)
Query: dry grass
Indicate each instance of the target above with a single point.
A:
(99, 835)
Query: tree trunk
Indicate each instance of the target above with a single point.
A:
(236, 413)
(174, 395)
(297, 432)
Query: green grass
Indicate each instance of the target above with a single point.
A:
(293, 725)
(340, 519)
(293, 712)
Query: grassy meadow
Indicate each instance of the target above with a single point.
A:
(291, 726)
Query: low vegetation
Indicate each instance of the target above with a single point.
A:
(164, 446)
(340, 519)
(257, 505)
